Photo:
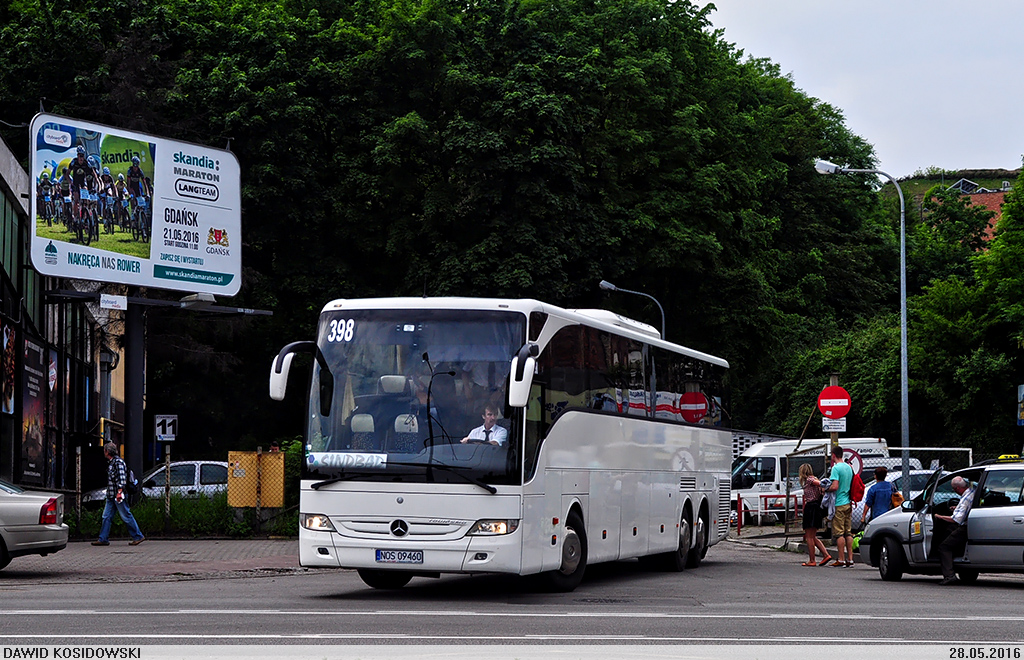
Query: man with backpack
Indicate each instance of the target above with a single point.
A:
(117, 483)
(879, 497)
(842, 530)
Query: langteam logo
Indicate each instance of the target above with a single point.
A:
(50, 254)
(196, 190)
(57, 138)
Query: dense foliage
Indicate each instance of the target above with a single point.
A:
(519, 148)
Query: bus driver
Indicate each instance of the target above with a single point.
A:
(489, 432)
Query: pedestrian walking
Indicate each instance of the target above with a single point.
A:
(117, 477)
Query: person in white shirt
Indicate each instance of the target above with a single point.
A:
(958, 537)
(489, 432)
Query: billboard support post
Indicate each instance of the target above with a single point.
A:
(135, 383)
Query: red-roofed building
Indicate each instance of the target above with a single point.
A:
(990, 199)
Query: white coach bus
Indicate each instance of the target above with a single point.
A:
(461, 435)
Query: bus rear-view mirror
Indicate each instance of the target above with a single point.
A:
(521, 377)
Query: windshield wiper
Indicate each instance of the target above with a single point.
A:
(451, 470)
(342, 477)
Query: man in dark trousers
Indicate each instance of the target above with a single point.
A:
(957, 538)
(117, 476)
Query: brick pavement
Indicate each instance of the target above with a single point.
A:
(159, 560)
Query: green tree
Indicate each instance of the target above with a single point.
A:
(953, 229)
(510, 148)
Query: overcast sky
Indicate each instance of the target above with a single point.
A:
(933, 82)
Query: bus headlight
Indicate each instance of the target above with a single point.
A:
(317, 522)
(494, 527)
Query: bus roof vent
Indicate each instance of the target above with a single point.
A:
(620, 321)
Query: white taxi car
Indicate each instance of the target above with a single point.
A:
(905, 540)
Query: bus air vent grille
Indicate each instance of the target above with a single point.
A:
(687, 484)
(723, 501)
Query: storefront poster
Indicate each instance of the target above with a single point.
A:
(7, 369)
(51, 381)
(33, 454)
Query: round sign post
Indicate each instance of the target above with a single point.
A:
(834, 402)
(693, 406)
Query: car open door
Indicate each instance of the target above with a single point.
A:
(922, 524)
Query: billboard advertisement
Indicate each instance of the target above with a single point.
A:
(116, 206)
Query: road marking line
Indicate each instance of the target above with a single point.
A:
(470, 613)
(375, 636)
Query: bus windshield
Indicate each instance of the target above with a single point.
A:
(419, 396)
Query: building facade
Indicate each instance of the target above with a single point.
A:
(51, 355)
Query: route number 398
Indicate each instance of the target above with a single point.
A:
(341, 330)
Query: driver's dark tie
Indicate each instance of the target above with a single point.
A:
(487, 435)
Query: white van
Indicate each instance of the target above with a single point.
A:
(762, 469)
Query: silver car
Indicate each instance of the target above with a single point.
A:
(31, 523)
(188, 479)
(903, 540)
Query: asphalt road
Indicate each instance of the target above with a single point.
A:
(741, 594)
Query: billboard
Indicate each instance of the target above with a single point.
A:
(116, 206)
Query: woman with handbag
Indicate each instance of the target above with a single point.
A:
(813, 514)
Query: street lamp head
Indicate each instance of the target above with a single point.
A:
(825, 167)
(607, 286)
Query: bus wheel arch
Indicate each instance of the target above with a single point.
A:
(574, 549)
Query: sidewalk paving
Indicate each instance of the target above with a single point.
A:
(159, 560)
(774, 536)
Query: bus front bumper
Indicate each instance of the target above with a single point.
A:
(469, 554)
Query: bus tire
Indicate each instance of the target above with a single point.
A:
(675, 560)
(574, 556)
(384, 579)
(700, 544)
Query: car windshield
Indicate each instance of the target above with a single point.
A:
(409, 386)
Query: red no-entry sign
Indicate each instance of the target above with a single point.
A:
(834, 402)
(693, 406)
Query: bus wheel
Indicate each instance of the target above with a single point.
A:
(700, 546)
(574, 556)
(675, 560)
(384, 579)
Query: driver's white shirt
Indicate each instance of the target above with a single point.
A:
(498, 434)
(963, 507)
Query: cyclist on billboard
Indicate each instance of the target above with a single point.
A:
(79, 170)
(137, 179)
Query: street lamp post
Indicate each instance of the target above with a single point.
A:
(825, 167)
(608, 286)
